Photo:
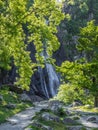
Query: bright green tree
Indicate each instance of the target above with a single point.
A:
(88, 44)
(41, 19)
(83, 73)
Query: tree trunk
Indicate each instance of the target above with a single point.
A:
(96, 101)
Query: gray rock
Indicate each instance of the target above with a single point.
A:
(68, 112)
(68, 121)
(75, 128)
(92, 119)
(24, 97)
(12, 122)
(55, 105)
(49, 117)
(10, 106)
(36, 98)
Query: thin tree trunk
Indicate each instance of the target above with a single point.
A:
(96, 101)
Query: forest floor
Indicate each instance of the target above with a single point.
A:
(23, 119)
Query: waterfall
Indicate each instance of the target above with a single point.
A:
(49, 81)
(48, 78)
(53, 80)
(45, 81)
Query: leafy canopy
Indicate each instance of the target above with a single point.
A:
(82, 74)
(40, 18)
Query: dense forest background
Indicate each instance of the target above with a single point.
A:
(67, 32)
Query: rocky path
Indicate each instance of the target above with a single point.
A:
(21, 120)
(87, 119)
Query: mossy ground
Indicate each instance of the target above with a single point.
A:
(60, 125)
(86, 108)
(55, 125)
(10, 97)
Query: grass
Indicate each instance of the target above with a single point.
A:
(11, 97)
(86, 108)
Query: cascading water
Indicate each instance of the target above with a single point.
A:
(45, 81)
(53, 80)
(48, 77)
(49, 81)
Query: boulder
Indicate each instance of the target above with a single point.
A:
(92, 119)
(69, 121)
(55, 106)
(68, 112)
(54, 103)
(49, 117)
(35, 98)
(24, 97)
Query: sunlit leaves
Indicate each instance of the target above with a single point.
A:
(40, 19)
(82, 74)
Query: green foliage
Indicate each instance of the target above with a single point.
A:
(69, 93)
(61, 112)
(13, 98)
(87, 108)
(88, 44)
(40, 19)
(52, 124)
(80, 12)
(44, 27)
(82, 74)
